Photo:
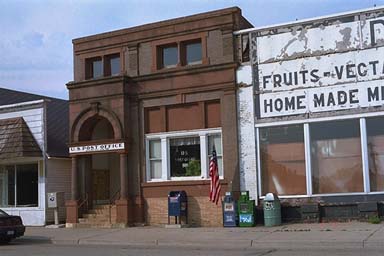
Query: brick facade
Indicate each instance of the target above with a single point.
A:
(146, 98)
(201, 212)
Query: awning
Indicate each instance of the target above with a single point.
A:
(16, 140)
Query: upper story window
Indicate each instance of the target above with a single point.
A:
(169, 56)
(108, 65)
(182, 53)
(94, 68)
(112, 65)
(193, 52)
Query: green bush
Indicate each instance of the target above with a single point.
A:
(374, 220)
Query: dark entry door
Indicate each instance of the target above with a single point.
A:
(100, 182)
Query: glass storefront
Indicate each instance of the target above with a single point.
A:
(282, 160)
(336, 157)
(324, 157)
(19, 185)
(375, 140)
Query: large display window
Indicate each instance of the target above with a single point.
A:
(322, 157)
(336, 157)
(19, 185)
(375, 140)
(283, 160)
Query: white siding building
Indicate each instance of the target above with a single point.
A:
(33, 154)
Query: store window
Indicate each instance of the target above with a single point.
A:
(187, 155)
(336, 157)
(283, 160)
(19, 185)
(375, 139)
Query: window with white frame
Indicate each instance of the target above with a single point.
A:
(185, 156)
(332, 157)
(155, 159)
(214, 141)
(182, 155)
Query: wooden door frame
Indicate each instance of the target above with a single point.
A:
(94, 195)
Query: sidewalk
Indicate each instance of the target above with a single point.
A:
(340, 235)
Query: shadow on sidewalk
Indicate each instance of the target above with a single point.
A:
(28, 240)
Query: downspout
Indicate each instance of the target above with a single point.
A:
(45, 155)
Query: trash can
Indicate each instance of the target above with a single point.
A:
(272, 210)
(246, 209)
(230, 218)
(177, 206)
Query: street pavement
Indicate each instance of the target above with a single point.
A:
(349, 235)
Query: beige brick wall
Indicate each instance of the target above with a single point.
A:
(201, 212)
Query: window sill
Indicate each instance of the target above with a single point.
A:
(173, 183)
(177, 67)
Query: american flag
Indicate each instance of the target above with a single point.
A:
(214, 192)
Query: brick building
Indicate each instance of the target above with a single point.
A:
(147, 104)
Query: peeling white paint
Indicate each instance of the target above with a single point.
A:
(320, 40)
(244, 75)
(247, 139)
(308, 42)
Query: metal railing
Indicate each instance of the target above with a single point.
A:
(84, 202)
(112, 200)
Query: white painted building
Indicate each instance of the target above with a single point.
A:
(310, 107)
(33, 154)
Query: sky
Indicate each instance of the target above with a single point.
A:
(36, 35)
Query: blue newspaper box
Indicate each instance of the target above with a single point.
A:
(230, 216)
(177, 206)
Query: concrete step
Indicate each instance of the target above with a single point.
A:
(99, 211)
(103, 216)
(102, 206)
(94, 225)
(95, 215)
(86, 221)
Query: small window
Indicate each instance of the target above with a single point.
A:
(94, 68)
(112, 65)
(193, 54)
(169, 56)
(155, 159)
(185, 157)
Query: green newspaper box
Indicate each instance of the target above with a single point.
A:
(246, 210)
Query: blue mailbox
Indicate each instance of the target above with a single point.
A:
(177, 205)
(230, 216)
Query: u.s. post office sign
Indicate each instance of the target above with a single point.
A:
(97, 148)
(326, 65)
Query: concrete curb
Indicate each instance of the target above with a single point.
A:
(350, 236)
(245, 243)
